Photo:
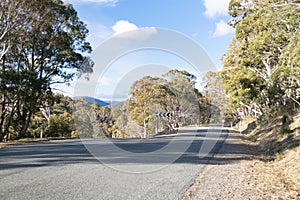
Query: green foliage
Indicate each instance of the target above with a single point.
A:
(63, 104)
(195, 107)
(148, 96)
(262, 67)
(41, 44)
(84, 119)
(217, 107)
(60, 125)
(279, 149)
(152, 95)
(121, 116)
(254, 139)
(106, 120)
(285, 130)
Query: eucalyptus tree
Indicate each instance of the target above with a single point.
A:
(47, 49)
(182, 83)
(152, 95)
(148, 96)
(12, 19)
(258, 66)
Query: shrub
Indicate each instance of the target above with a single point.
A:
(60, 125)
(254, 139)
(285, 130)
(279, 149)
(285, 120)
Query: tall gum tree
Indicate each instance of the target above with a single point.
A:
(261, 53)
(48, 46)
(148, 96)
(152, 95)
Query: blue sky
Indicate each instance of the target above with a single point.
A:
(204, 21)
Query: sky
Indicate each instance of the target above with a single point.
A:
(202, 21)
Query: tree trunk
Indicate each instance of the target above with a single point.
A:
(145, 129)
(25, 124)
(8, 122)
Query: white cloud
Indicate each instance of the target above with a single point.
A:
(125, 29)
(216, 7)
(104, 81)
(106, 2)
(98, 33)
(222, 28)
(123, 26)
(102, 32)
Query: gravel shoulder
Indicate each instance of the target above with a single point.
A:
(237, 173)
(222, 178)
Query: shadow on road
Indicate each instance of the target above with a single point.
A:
(75, 151)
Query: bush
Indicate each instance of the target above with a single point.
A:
(285, 130)
(279, 149)
(60, 125)
(254, 139)
(285, 120)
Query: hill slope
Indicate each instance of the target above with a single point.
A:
(277, 147)
(93, 100)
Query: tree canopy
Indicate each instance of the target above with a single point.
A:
(41, 44)
(152, 95)
(261, 68)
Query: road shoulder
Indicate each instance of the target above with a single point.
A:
(237, 173)
(222, 177)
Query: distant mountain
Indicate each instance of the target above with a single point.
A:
(93, 100)
(115, 103)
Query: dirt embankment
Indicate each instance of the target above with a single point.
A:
(275, 168)
(262, 163)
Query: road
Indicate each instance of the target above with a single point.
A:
(155, 168)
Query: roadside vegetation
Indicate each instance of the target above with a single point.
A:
(155, 105)
(262, 74)
(261, 70)
(43, 43)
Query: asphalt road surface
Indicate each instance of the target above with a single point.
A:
(155, 168)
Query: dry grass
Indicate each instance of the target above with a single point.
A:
(272, 170)
(32, 140)
(276, 172)
(22, 141)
